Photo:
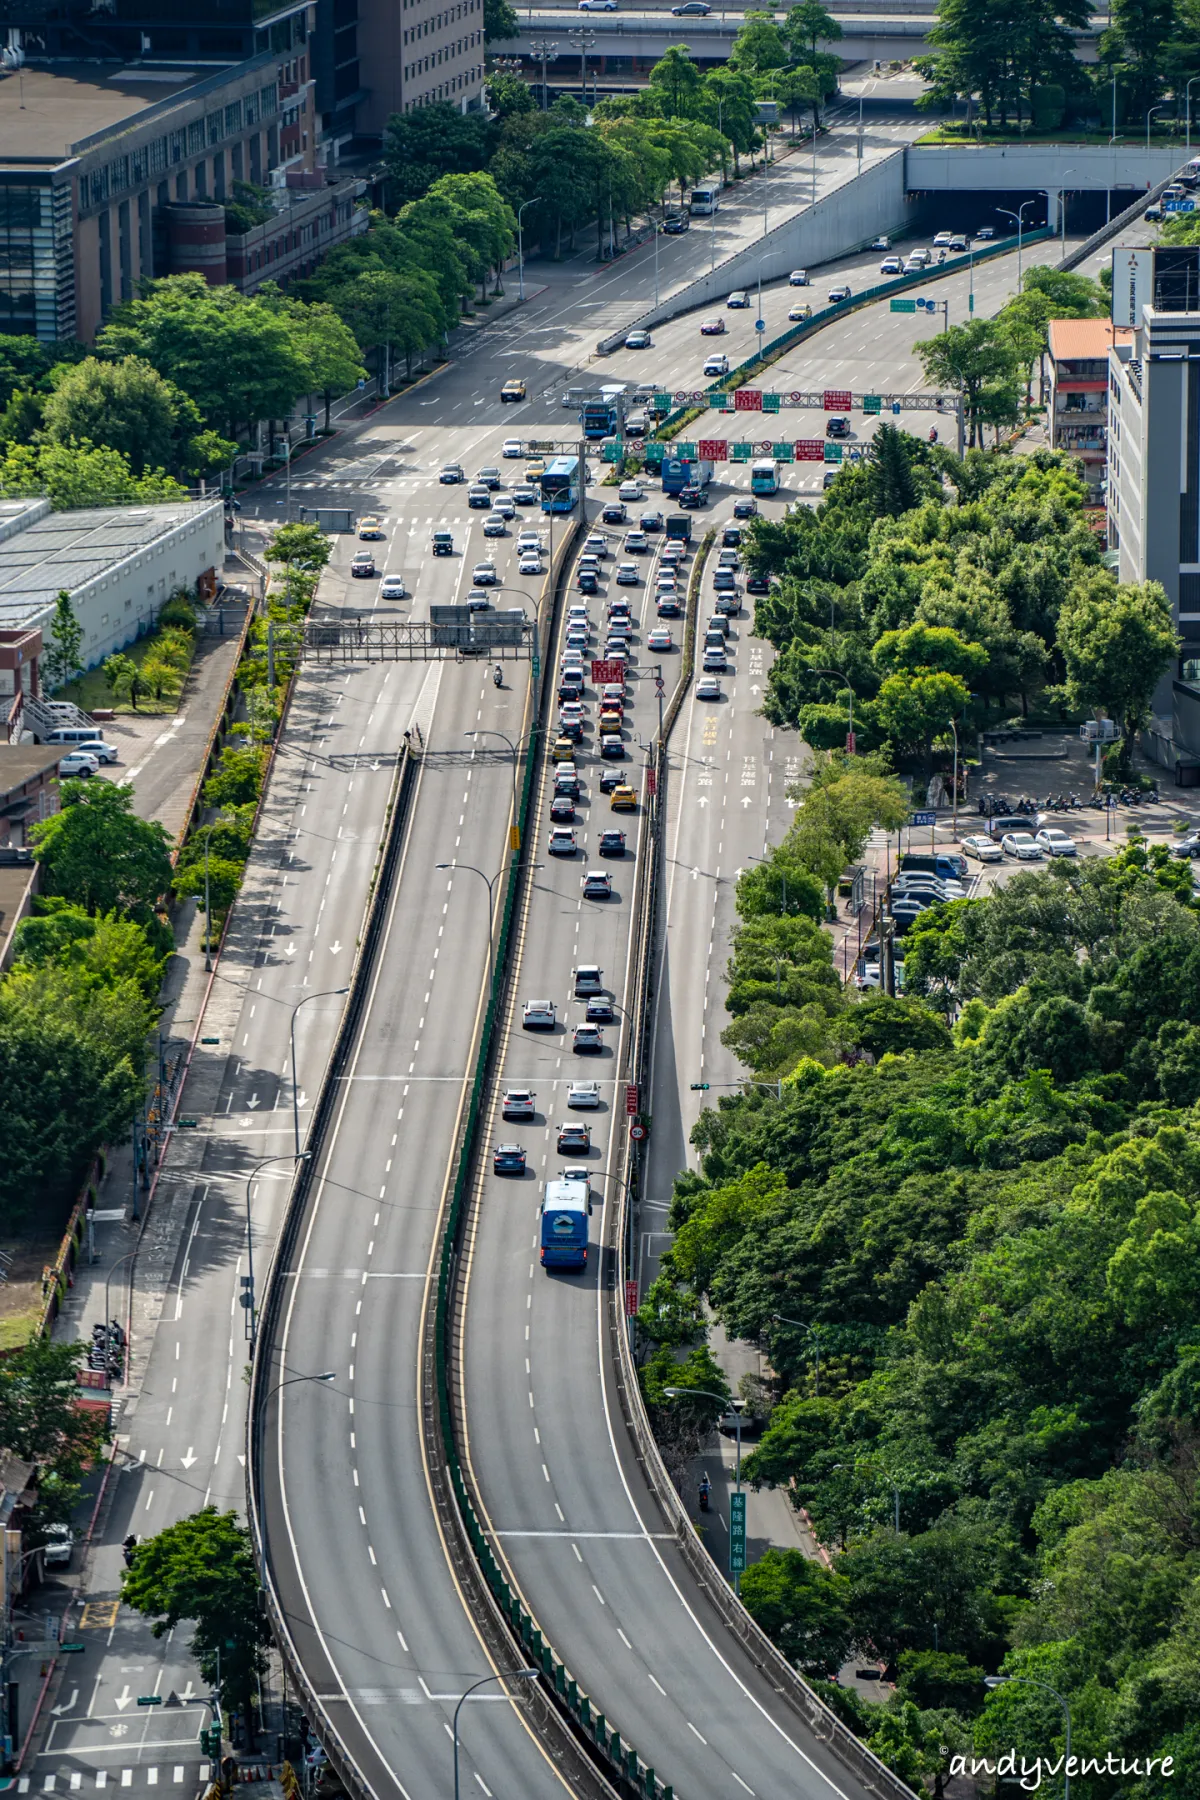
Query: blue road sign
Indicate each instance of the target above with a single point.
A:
(760, 324)
(924, 818)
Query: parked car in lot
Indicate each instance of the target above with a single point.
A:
(103, 753)
(983, 849)
(1055, 842)
(78, 763)
(1022, 845)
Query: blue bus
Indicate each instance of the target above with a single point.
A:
(600, 417)
(560, 485)
(565, 1209)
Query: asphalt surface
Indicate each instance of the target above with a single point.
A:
(372, 1598)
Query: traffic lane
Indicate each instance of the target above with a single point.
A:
(384, 1173)
(533, 1443)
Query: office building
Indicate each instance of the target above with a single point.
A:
(1153, 493)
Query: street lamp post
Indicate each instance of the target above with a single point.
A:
(1149, 116)
(1191, 84)
(736, 1405)
(996, 1681)
(954, 729)
(128, 1257)
(325, 994)
(1019, 216)
(521, 246)
(514, 745)
(251, 1324)
(489, 881)
(814, 1331)
(1062, 205)
(854, 1467)
(325, 1375)
(207, 915)
(543, 51)
(850, 727)
(517, 1675)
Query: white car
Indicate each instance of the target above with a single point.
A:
(562, 841)
(717, 364)
(539, 1015)
(513, 447)
(1056, 843)
(504, 506)
(105, 753)
(1021, 845)
(530, 563)
(798, 278)
(584, 1094)
(631, 492)
(80, 763)
(891, 265)
(636, 541)
(392, 588)
(483, 574)
(983, 849)
(708, 688)
(943, 240)
(659, 639)
(627, 574)
(596, 544)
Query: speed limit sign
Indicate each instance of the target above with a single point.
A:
(637, 1132)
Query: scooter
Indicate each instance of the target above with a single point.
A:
(705, 1491)
(498, 675)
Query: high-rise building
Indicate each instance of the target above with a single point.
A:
(1153, 488)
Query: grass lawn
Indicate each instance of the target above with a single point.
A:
(92, 689)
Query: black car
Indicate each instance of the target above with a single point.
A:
(612, 843)
(758, 584)
(691, 496)
(509, 1159)
(587, 582)
(562, 810)
(600, 1011)
(837, 427)
(610, 779)
(745, 509)
(731, 537)
(614, 513)
(675, 224)
(651, 521)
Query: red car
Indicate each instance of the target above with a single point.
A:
(713, 328)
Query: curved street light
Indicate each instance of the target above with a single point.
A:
(302, 1156)
(489, 882)
(814, 1331)
(736, 1406)
(325, 1375)
(997, 1681)
(517, 1675)
(325, 994)
(521, 246)
(1020, 218)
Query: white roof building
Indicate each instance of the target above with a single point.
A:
(118, 563)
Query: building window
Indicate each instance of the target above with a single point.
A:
(195, 137)
(214, 128)
(233, 118)
(269, 96)
(178, 141)
(250, 109)
(139, 164)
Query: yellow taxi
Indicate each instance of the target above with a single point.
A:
(535, 469)
(369, 526)
(513, 390)
(564, 750)
(610, 718)
(624, 798)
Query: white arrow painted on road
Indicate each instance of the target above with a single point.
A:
(334, 948)
(291, 950)
(242, 1460)
(746, 800)
(123, 1699)
(252, 1102)
(703, 800)
(66, 1705)
(188, 1693)
(302, 1098)
(189, 1459)
(754, 688)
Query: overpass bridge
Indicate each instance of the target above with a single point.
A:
(630, 42)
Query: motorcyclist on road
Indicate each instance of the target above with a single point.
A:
(498, 675)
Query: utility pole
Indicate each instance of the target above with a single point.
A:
(543, 51)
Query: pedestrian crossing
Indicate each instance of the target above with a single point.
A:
(67, 1781)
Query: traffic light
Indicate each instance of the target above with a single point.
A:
(210, 1741)
(700, 1087)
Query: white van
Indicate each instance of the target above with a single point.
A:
(73, 734)
(704, 201)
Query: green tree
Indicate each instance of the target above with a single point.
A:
(328, 347)
(1117, 642)
(106, 950)
(508, 95)
(1138, 34)
(969, 360)
(676, 83)
(802, 1608)
(125, 406)
(40, 1418)
(499, 20)
(61, 662)
(808, 25)
(99, 854)
(304, 546)
(237, 779)
(916, 708)
(782, 885)
(759, 46)
(74, 475)
(236, 357)
(421, 146)
(202, 1569)
(221, 880)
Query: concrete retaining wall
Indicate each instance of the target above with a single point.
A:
(1047, 167)
(839, 223)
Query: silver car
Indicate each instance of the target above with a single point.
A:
(1021, 845)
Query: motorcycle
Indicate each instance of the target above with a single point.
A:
(498, 675)
(705, 1492)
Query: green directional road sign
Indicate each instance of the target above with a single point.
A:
(833, 453)
(872, 403)
(737, 1534)
(150, 1700)
(686, 452)
(654, 455)
(902, 306)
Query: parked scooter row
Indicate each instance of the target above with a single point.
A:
(107, 1351)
